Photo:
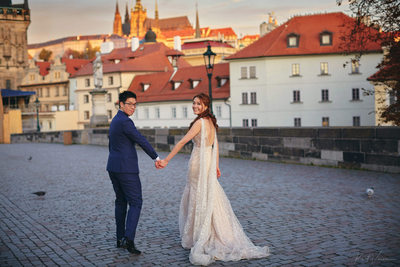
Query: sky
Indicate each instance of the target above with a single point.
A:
(53, 19)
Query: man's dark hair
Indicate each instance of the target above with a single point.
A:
(125, 95)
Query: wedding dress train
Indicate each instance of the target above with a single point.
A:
(207, 223)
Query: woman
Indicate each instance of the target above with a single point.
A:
(207, 223)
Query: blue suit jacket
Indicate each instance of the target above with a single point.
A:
(123, 136)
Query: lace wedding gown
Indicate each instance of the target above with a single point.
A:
(207, 223)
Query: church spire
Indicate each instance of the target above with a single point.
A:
(117, 29)
(156, 13)
(198, 33)
(126, 13)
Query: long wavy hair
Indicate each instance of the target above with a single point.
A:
(205, 99)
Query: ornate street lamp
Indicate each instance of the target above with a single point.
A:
(37, 105)
(209, 57)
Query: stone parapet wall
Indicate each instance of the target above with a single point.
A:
(372, 148)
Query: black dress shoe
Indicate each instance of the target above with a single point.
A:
(121, 243)
(130, 246)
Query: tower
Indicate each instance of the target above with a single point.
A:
(117, 29)
(156, 12)
(198, 32)
(138, 16)
(15, 20)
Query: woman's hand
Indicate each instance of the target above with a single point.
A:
(163, 163)
(218, 172)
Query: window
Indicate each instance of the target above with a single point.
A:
(176, 85)
(325, 38)
(57, 91)
(245, 122)
(146, 113)
(296, 96)
(109, 97)
(295, 69)
(86, 115)
(50, 125)
(65, 91)
(32, 77)
(324, 95)
(87, 82)
(86, 99)
(325, 121)
(57, 75)
(219, 111)
(293, 40)
(355, 94)
(253, 122)
(193, 83)
(222, 81)
(157, 112)
(244, 98)
(110, 80)
(146, 86)
(324, 68)
(253, 72)
(46, 107)
(297, 122)
(174, 112)
(8, 84)
(356, 121)
(253, 98)
(243, 72)
(47, 92)
(109, 112)
(355, 66)
(185, 112)
(392, 97)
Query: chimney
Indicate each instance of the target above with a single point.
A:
(134, 44)
(177, 43)
(106, 47)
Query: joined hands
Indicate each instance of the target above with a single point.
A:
(161, 164)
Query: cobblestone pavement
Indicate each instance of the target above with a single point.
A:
(309, 216)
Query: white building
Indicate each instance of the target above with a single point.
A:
(299, 75)
(165, 99)
(120, 66)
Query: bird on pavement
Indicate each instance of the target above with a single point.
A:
(39, 193)
(370, 192)
(30, 158)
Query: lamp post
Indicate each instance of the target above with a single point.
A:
(37, 104)
(209, 57)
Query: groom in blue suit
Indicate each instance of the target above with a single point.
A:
(123, 169)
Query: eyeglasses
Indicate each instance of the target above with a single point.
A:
(130, 104)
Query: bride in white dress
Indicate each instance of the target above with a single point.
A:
(207, 223)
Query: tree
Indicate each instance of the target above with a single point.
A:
(379, 21)
(45, 54)
(88, 53)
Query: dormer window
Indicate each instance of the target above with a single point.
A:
(175, 85)
(221, 81)
(293, 40)
(325, 38)
(193, 83)
(145, 86)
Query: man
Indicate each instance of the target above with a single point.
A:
(123, 170)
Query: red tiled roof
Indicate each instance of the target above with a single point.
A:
(44, 67)
(182, 33)
(390, 72)
(73, 64)
(160, 88)
(223, 31)
(309, 29)
(175, 23)
(203, 44)
(148, 57)
(254, 36)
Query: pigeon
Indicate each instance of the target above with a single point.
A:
(39, 193)
(370, 192)
(30, 158)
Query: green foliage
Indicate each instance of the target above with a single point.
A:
(88, 53)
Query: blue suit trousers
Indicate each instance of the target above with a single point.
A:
(128, 190)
